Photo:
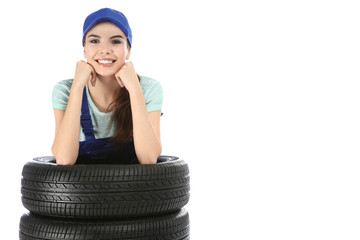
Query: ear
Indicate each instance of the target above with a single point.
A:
(84, 53)
(128, 53)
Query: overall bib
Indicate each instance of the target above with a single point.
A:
(101, 151)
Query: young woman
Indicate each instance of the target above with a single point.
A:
(107, 113)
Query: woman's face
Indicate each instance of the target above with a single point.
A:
(106, 48)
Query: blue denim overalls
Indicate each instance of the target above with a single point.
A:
(101, 151)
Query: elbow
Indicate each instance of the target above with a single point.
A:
(64, 162)
(148, 161)
(63, 159)
(149, 158)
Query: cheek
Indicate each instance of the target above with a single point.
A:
(86, 53)
(89, 52)
(120, 52)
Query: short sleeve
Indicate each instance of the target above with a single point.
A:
(153, 94)
(60, 94)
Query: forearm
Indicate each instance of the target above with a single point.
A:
(147, 143)
(66, 143)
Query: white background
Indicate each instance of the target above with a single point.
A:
(261, 98)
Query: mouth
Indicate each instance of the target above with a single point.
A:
(106, 62)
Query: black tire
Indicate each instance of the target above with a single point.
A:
(105, 191)
(173, 226)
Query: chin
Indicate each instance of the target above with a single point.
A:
(106, 73)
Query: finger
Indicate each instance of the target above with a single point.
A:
(93, 79)
(93, 75)
(120, 82)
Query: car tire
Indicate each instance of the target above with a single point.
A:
(105, 191)
(171, 226)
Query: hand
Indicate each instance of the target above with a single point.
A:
(84, 73)
(127, 77)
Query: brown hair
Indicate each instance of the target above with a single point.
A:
(123, 117)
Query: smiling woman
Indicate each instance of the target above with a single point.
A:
(107, 113)
(104, 51)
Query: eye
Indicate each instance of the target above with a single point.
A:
(116, 41)
(94, 41)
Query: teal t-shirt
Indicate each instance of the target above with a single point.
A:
(103, 127)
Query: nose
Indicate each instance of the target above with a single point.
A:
(105, 49)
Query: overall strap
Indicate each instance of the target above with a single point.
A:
(86, 122)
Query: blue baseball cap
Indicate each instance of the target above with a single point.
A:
(108, 15)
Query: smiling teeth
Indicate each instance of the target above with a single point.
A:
(105, 61)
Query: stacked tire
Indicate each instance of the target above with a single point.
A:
(105, 201)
